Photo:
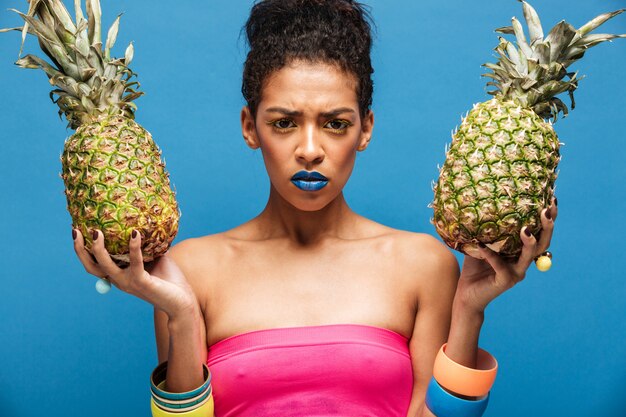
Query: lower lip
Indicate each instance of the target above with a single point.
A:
(309, 185)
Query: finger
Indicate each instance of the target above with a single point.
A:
(136, 257)
(105, 262)
(497, 263)
(85, 257)
(139, 277)
(528, 252)
(554, 211)
(547, 226)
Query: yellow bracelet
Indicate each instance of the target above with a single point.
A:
(195, 403)
(205, 410)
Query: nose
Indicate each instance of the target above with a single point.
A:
(310, 149)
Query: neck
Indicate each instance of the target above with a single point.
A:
(281, 220)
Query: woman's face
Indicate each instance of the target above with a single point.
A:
(308, 121)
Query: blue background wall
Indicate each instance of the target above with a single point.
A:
(560, 337)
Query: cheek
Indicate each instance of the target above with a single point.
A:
(272, 159)
(276, 159)
(265, 145)
(343, 159)
(277, 150)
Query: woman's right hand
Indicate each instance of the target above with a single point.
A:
(165, 286)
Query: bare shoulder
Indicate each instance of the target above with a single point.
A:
(199, 259)
(429, 253)
(439, 271)
(196, 252)
(428, 264)
(421, 248)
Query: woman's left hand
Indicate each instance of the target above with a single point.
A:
(482, 280)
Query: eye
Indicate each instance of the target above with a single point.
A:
(283, 124)
(338, 125)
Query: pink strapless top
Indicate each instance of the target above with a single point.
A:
(312, 371)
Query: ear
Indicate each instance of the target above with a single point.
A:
(248, 128)
(367, 127)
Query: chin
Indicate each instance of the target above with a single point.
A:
(315, 203)
(307, 200)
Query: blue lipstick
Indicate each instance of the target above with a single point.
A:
(309, 181)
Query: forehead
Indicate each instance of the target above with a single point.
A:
(302, 83)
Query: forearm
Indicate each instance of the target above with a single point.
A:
(462, 343)
(465, 328)
(184, 369)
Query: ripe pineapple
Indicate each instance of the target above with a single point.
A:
(500, 168)
(114, 177)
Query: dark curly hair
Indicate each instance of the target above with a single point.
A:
(337, 32)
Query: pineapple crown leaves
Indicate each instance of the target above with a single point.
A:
(89, 82)
(533, 72)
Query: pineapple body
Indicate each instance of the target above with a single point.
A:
(114, 178)
(115, 181)
(500, 168)
(498, 175)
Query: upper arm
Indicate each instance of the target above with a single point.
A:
(437, 275)
(181, 253)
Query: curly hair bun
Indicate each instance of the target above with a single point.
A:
(333, 31)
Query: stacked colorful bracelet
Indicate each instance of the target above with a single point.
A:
(451, 380)
(195, 403)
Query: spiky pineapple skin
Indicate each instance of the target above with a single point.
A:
(498, 175)
(115, 181)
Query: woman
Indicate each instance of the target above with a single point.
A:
(310, 308)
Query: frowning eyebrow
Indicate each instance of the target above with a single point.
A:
(295, 113)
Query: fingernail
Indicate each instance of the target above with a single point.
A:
(527, 232)
(94, 235)
(134, 234)
(74, 234)
(548, 214)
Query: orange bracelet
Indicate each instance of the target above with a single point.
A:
(463, 380)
